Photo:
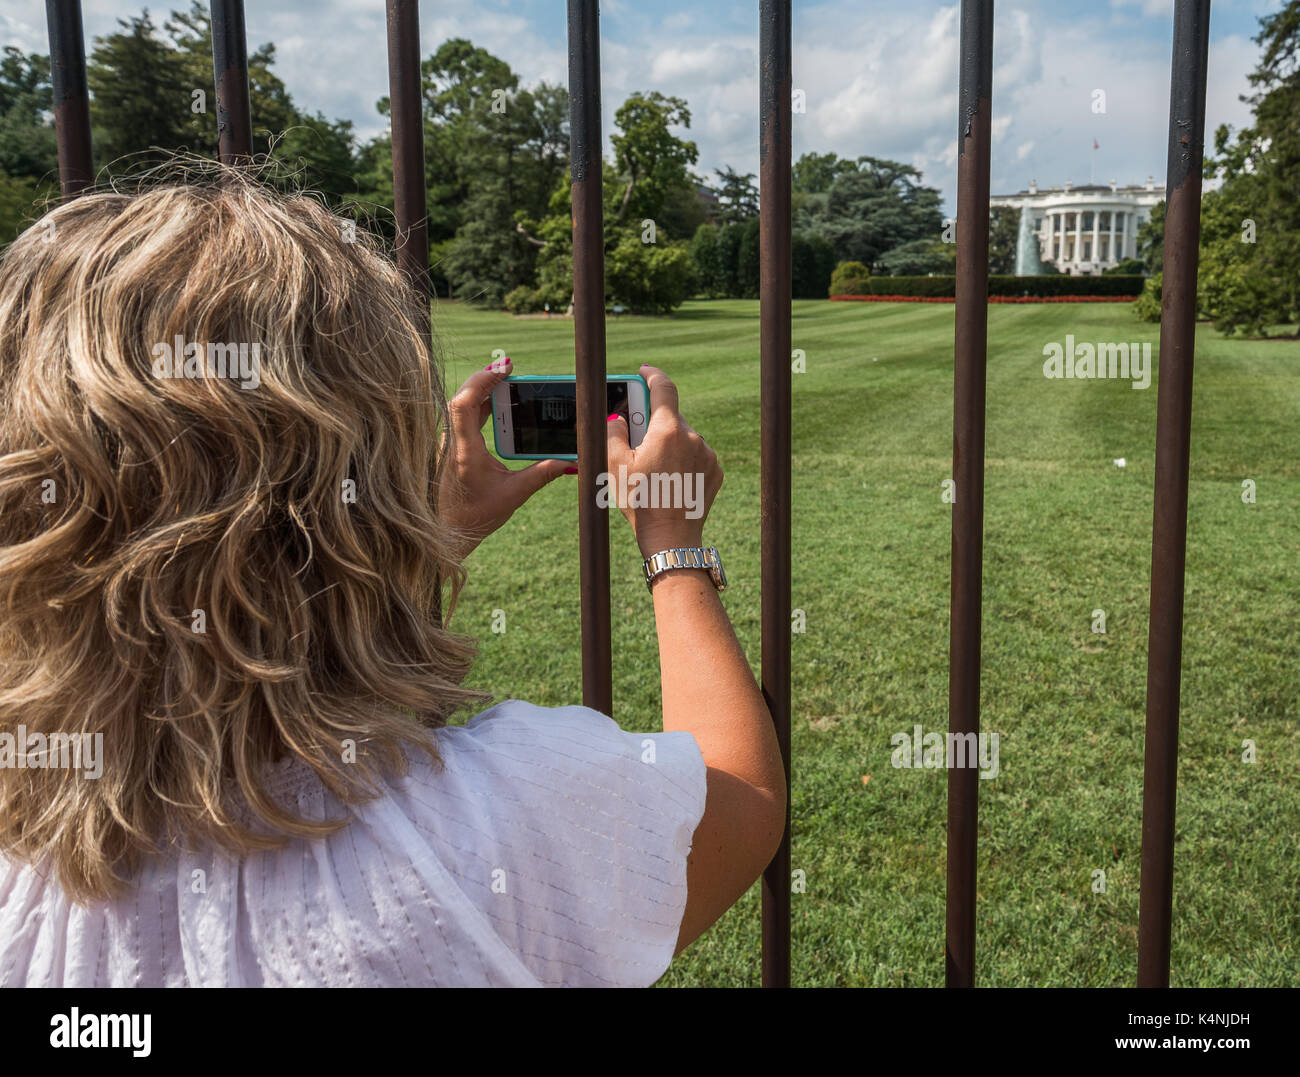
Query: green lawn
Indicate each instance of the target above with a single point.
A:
(1066, 532)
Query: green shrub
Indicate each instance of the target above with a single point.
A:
(748, 260)
(1063, 284)
(704, 253)
(851, 278)
(1037, 286)
(1128, 267)
(522, 300)
(812, 262)
(648, 278)
(1147, 305)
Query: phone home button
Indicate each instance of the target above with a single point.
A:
(637, 418)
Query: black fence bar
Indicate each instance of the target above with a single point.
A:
(970, 352)
(589, 349)
(410, 211)
(230, 72)
(1173, 445)
(71, 95)
(406, 110)
(774, 374)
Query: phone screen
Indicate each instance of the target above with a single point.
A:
(544, 414)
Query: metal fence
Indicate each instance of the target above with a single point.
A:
(1173, 422)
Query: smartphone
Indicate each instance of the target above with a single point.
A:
(535, 416)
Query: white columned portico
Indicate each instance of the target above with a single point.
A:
(1062, 243)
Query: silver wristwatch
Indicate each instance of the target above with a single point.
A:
(705, 557)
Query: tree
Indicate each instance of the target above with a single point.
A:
(21, 201)
(140, 93)
(270, 103)
(1231, 289)
(1250, 260)
(920, 258)
(651, 160)
(871, 209)
(28, 155)
(511, 155)
(460, 83)
(728, 259)
(704, 254)
(814, 173)
(319, 153)
(1151, 240)
(1004, 237)
(495, 154)
(152, 88)
(682, 212)
(737, 196)
(27, 143)
(812, 261)
(647, 270)
(649, 278)
(748, 260)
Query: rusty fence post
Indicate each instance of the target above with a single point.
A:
(230, 73)
(775, 437)
(406, 110)
(589, 349)
(1173, 446)
(410, 209)
(970, 353)
(71, 95)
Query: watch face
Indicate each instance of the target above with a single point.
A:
(719, 574)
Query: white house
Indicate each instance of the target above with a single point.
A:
(1080, 229)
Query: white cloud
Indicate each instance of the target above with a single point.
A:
(879, 79)
(1148, 7)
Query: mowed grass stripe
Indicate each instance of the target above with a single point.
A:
(1066, 532)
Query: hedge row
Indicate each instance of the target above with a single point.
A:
(992, 299)
(1040, 287)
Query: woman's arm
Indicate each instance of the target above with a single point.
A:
(708, 687)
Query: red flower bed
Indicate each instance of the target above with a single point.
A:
(992, 298)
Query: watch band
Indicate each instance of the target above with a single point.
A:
(705, 557)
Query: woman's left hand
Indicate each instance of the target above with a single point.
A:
(478, 492)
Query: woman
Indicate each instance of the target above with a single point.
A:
(224, 680)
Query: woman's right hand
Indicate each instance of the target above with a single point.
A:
(708, 686)
(672, 456)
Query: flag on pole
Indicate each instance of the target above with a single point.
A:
(1094, 145)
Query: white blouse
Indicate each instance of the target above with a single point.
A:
(550, 851)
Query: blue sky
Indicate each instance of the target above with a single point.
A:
(879, 78)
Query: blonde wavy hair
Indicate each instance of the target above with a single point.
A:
(171, 496)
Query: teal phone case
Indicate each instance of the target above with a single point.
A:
(557, 377)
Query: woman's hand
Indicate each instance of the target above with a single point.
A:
(670, 448)
(478, 493)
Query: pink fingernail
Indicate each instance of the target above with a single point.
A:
(612, 417)
(570, 470)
